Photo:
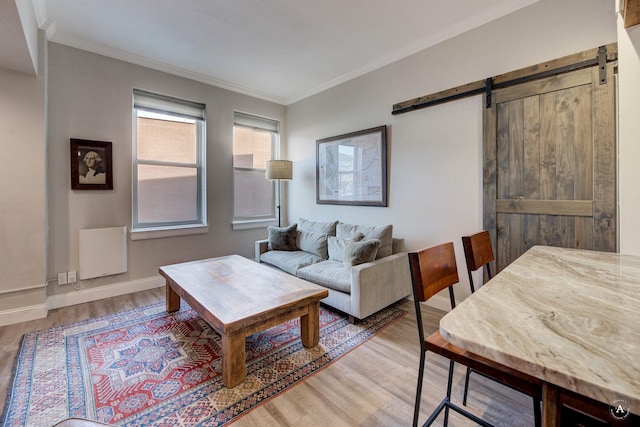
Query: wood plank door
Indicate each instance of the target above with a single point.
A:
(550, 164)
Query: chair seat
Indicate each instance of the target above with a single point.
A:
(517, 380)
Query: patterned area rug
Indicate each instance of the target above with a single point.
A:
(144, 367)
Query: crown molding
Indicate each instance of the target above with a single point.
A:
(49, 26)
(161, 66)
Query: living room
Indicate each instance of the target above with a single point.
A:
(434, 160)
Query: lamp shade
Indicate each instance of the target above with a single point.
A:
(279, 169)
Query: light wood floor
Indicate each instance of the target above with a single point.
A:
(373, 385)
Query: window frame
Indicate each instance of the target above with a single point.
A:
(169, 106)
(254, 122)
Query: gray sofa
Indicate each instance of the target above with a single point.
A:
(361, 280)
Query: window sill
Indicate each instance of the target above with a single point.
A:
(257, 223)
(156, 233)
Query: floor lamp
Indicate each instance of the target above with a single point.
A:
(279, 170)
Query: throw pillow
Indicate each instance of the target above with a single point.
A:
(283, 239)
(318, 227)
(315, 243)
(383, 233)
(360, 252)
(336, 246)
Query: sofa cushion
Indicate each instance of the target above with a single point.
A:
(289, 261)
(316, 243)
(360, 252)
(383, 233)
(336, 246)
(283, 239)
(330, 274)
(317, 226)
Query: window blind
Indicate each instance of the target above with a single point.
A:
(165, 104)
(255, 122)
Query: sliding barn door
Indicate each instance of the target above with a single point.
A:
(550, 165)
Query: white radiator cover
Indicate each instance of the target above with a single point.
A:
(102, 252)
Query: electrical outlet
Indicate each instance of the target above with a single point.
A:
(71, 277)
(62, 278)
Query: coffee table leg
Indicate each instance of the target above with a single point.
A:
(310, 326)
(234, 363)
(173, 299)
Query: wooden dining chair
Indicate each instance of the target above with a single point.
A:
(478, 253)
(433, 270)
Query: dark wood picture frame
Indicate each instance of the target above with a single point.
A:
(91, 165)
(351, 169)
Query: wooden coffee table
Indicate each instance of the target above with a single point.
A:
(239, 297)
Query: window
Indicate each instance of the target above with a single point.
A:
(255, 140)
(168, 165)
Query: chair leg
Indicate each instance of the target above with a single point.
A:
(449, 386)
(466, 387)
(416, 408)
(445, 404)
(537, 413)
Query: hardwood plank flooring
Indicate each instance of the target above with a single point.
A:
(373, 385)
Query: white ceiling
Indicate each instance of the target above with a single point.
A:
(279, 50)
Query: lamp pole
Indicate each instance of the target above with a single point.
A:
(279, 191)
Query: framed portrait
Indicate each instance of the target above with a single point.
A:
(351, 169)
(91, 165)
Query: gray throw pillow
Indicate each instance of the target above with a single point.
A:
(383, 233)
(315, 243)
(283, 239)
(317, 226)
(336, 246)
(360, 252)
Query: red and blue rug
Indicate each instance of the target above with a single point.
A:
(144, 367)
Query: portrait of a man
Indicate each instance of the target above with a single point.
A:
(91, 165)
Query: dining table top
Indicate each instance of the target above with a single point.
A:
(566, 316)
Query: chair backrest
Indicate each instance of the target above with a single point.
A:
(478, 252)
(433, 270)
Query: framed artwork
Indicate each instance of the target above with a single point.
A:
(351, 169)
(91, 165)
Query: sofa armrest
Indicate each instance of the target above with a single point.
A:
(262, 246)
(375, 285)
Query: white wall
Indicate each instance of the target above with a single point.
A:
(90, 97)
(435, 154)
(23, 166)
(629, 137)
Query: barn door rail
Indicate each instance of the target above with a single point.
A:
(599, 56)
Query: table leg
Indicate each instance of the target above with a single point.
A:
(234, 363)
(549, 405)
(310, 325)
(173, 299)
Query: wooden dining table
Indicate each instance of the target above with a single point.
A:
(566, 316)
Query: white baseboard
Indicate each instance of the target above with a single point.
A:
(22, 314)
(439, 302)
(39, 311)
(94, 294)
